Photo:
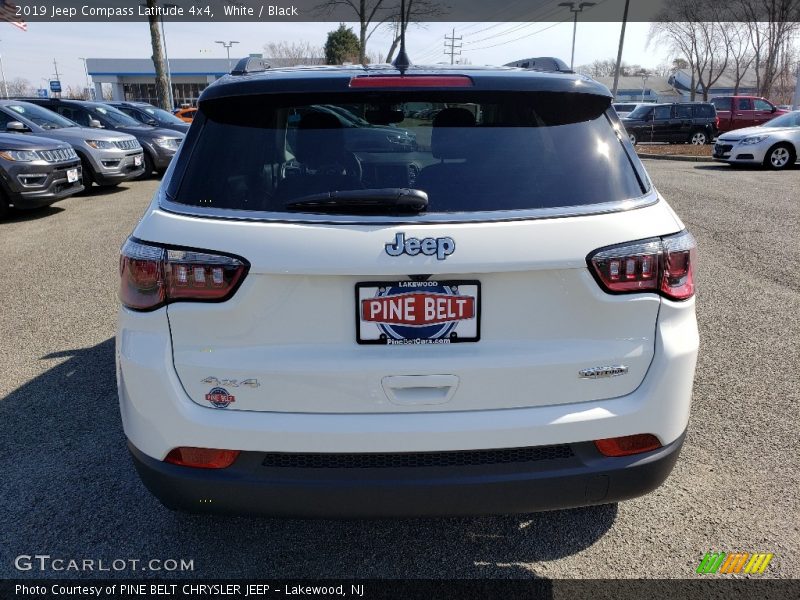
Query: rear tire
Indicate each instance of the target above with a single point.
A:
(4, 208)
(779, 157)
(149, 167)
(698, 138)
(87, 176)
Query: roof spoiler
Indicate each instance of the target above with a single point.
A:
(251, 64)
(541, 63)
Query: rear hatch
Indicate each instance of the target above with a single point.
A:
(482, 299)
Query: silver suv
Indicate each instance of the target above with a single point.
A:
(108, 158)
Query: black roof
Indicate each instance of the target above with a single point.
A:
(332, 79)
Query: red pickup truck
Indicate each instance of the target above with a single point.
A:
(736, 112)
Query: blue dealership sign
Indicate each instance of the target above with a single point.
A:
(55, 86)
(42, 93)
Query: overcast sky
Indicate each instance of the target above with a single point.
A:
(30, 54)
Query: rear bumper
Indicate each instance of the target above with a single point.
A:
(250, 487)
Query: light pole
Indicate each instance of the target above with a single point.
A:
(575, 8)
(89, 90)
(227, 46)
(645, 77)
(3, 75)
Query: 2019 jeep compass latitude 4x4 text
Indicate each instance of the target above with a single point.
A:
(497, 319)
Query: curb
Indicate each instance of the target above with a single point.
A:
(677, 157)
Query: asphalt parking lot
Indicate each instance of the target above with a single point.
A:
(69, 489)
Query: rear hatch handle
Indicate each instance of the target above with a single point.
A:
(419, 390)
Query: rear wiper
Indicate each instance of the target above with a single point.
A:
(383, 200)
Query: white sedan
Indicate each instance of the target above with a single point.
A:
(773, 144)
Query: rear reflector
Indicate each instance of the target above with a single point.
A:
(628, 444)
(663, 265)
(151, 276)
(201, 458)
(411, 81)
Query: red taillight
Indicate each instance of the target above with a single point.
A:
(410, 81)
(628, 444)
(664, 265)
(151, 276)
(202, 458)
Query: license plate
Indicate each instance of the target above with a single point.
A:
(137, 160)
(72, 175)
(417, 312)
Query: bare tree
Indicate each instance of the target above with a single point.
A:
(681, 38)
(295, 53)
(77, 93)
(417, 11)
(606, 67)
(18, 87)
(741, 56)
(693, 29)
(771, 24)
(372, 14)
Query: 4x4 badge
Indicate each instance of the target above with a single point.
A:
(442, 247)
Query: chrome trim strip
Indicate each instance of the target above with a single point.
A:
(439, 218)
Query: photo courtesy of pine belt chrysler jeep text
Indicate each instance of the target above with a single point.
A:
(491, 312)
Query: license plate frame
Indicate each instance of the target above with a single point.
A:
(138, 160)
(72, 175)
(438, 332)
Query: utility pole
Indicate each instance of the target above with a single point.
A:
(619, 52)
(575, 8)
(450, 46)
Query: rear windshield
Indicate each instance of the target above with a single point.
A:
(466, 152)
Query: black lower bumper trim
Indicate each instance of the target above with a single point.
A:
(250, 487)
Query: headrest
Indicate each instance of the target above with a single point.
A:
(447, 137)
(320, 139)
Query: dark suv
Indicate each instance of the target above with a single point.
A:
(677, 123)
(159, 144)
(36, 172)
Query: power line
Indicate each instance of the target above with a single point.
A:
(516, 39)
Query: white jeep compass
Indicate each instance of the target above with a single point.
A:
(368, 292)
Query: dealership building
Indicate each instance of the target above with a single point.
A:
(135, 78)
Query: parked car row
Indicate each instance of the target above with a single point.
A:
(107, 145)
(694, 122)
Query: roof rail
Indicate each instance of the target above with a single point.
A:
(541, 63)
(251, 64)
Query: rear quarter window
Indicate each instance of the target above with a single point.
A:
(706, 111)
(470, 152)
